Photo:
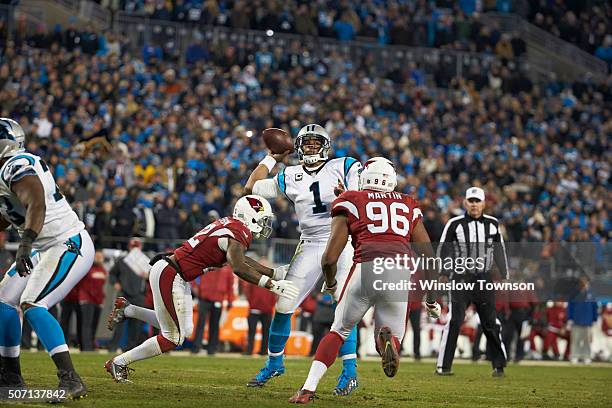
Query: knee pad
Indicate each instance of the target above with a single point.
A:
(285, 306)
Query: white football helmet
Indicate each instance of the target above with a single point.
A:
(313, 131)
(256, 213)
(12, 138)
(378, 174)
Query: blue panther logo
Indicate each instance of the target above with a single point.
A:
(6, 130)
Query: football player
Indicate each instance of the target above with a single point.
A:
(311, 186)
(380, 221)
(30, 202)
(225, 240)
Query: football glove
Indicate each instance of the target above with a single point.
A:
(330, 290)
(23, 263)
(284, 288)
(433, 309)
(280, 272)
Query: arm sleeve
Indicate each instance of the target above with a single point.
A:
(351, 173)
(267, 188)
(501, 258)
(444, 247)
(343, 206)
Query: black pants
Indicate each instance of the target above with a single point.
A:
(479, 332)
(90, 314)
(319, 330)
(513, 328)
(206, 308)
(415, 323)
(68, 309)
(265, 319)
(484, 300)
(135, 334)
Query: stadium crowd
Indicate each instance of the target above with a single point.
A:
(145, 145)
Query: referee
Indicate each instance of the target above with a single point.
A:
(475, 236)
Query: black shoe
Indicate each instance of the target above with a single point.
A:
(443, 371)
(12, 380)
(72, 383)
(498, 372)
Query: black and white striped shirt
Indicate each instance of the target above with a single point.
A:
(466, 237)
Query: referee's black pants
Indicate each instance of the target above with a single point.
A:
(484, 300)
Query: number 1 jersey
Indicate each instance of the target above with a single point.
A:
(312, 192)
(61, 222)
(380, 224)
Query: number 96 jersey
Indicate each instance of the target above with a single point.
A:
(312, 192)
(61, 222)
(378, 222)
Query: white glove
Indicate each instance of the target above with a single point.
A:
(433, 310)
(284, 288)
(330, 290)
(280, 272)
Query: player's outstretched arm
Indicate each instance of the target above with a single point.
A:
(237, 260)
(30, 192)
(262, 170)
(335, 245)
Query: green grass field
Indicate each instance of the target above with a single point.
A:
(173, 381)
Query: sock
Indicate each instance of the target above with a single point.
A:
(10, 332)
(348, 353)
(11, 365)
(142, 314)
(47, 329)
(149, 348)
(279, 334)
(324, 357)
(63, 361)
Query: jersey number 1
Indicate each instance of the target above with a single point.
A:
(319, 207)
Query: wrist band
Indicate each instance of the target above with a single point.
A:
(263, 281)
(269, 162)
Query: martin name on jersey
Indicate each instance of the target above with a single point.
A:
(312, 192)
(61, 222)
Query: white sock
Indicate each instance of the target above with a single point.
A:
(150, 348)
(142, 314)
(317, 370)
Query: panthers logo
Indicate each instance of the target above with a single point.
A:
(256, 204)
(6, 130)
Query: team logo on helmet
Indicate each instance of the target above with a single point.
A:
(5, 130)
(255, 204)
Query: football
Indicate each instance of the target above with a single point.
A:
(277, 140)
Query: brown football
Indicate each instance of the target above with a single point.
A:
(277, 140)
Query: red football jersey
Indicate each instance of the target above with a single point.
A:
(379, 223)
(203, 251)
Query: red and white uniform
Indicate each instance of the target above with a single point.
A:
(172, 293)
(378, 222)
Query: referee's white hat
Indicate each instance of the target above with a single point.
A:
(475, 192)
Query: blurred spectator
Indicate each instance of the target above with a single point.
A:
(322, 318)
(128, 277)
(211, 289)
(6, 256)
(556, 316)
(261, 307)
(70, 307)
(91, 299)
(166, 222)
(581, 315)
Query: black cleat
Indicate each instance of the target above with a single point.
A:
(12, 380)
(445, 372)
(72, 383)
(498, 373)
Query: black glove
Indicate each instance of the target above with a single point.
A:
(23, 263)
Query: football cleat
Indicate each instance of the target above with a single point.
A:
(12, 380)
(443, 371)
(498, 373)
(72, 383)
(346, 385)
(117, 315)
(302, 397)
(265, 374)
(388, 352)
(119, 373)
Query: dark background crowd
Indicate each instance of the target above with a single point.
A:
(155, 145)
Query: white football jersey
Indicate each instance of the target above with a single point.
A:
(61, 222)
(312, 192)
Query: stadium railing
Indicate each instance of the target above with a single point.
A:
(548, 53)
(141, 30)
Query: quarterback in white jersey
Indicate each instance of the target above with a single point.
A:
(31, 203)
(311, 186)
